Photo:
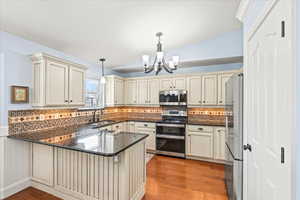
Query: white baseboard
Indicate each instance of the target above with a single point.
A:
(15, 188)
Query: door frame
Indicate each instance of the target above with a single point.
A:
(247, 37)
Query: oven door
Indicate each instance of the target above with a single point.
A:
(170, 145)
(170, 129)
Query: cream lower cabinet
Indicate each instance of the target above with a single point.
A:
(219, 143)
(42, 164)
(150, 129)
(57, 82)
(131, 127)
(205, 142)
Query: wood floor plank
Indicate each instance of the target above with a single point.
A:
(167, 178)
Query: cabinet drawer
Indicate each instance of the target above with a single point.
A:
(200, 128)
(145, 125)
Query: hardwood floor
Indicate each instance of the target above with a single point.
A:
(167, 178)
(179, 179)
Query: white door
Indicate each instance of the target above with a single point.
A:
(222, 79)
(131, 92)
(119, 95)
(76, 86)
(166, 84)
(219, 144)
(194, 90)
(209, 89)
(201, 144)
(269, 101)
(153, 90)
(57, 83)
(179, 83)
(143, 91)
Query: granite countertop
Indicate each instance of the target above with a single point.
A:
(84, 138)
(193, 121)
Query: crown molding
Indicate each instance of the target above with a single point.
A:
(242, 10)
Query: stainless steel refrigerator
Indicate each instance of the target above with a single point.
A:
(234, 137)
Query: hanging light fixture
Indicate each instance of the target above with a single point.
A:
(102, 79)
(159, 60)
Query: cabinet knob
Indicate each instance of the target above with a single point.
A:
(200, 129)
(66, 101)
(146, 125)
(71, 100)
(203, 102)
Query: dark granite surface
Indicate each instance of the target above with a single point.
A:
(84, 138)
(190, 122)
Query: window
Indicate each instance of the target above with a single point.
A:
(92, 92)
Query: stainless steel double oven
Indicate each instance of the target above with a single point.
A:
(170, 132)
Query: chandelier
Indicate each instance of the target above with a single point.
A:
(159, 60)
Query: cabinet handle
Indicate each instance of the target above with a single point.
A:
(66, 101)
(71, 100)
(220, 101)
(146, 125)
(203, 102)
(200, 129)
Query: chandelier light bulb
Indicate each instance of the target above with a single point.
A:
(160, 56)
(171, 65)
(176, 60)
(145, 60)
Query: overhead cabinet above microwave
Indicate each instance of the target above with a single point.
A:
(57, 82)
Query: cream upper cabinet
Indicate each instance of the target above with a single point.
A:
(142, 91)
(219, 143)
(194, 90)
(148, 90)
(153, 91)
(209, 89)
(173, 83)
(179, 83)
(131, 92)
(166, 84)
(222, 79)
(77, 85)
(114, 91)
(57, 82)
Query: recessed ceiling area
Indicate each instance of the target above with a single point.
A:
(119, 30)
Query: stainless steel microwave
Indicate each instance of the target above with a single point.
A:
(173, 97)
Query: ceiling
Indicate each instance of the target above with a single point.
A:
(120, 30)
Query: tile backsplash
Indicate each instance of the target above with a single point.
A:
(37, 120)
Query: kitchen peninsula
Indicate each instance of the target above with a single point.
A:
(85, 162)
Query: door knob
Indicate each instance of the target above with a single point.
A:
(247, 147)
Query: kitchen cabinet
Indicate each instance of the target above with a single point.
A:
(222, 79)
(57, 82)
(106, 128)
(117, 128)
(148, 90)
(219, 143)
(200, 143)
(131, 92)
(114, 91)
(173, 83)
(194, 90)
(209, 89)
(150, 129)
(42, 164)
(131, 127)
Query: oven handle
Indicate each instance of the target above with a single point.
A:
(171, 125)
(170, 137)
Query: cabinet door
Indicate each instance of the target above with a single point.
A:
(201, 144)
(131, 92)
(57, 84)
(143, 92)
(166, 84)
(179, 83)
(219, 144)
(42, 164)
(153, 90)
(76, 86)
(222, 79)
(131, 127)
(194, 90)
(119, 92)
(209, 90)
